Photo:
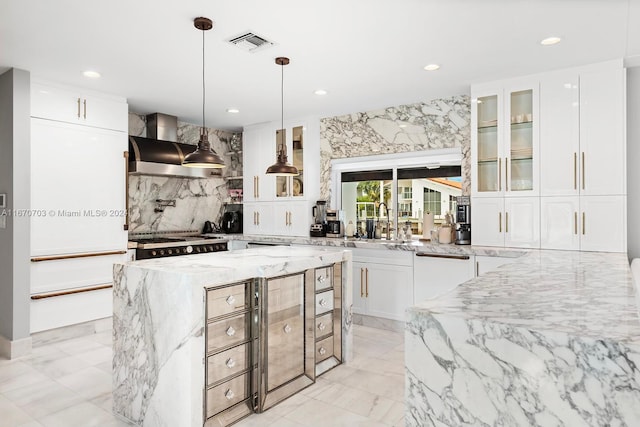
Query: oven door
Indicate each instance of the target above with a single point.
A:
(287, 337)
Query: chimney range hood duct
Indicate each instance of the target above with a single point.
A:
(160, 154)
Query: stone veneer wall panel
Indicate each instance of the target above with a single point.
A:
(439, 123)
(197, 200)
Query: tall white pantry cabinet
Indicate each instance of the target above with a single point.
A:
(575, 198)
(78, 226)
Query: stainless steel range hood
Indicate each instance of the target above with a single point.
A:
(160, 153)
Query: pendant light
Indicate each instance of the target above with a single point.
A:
(203, 156)
(282, 167)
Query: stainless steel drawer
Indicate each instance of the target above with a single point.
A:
(226, 300)
(227, 394)
(324, 325)
(323, 278)
(324, 349)
(227, 363)
(224, 333)
(324, 302)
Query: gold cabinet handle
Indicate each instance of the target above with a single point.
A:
(366, 288)
(258, 186)
(254, 187)
(583, 223)
(499, 222)
(361, 282)
(84, 102)
(575, 171)
(477, 268)
(258, 213)
(254, 218)
(499, 174)
(126, 190)
(575, 223)
(290, 216)
(506, 222)
(583, 170)
(506, 174)
(78, 107)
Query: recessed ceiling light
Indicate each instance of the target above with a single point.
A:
(233, 110)
(91, 74)
(550, 41)
(402, 126)
(431, 67)
(320, 92)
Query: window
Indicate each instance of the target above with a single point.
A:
(405, 193)
(432, 201)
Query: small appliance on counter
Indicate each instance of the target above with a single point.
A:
(335, 227)
(463, 221)
(319, 226)
(231, 222)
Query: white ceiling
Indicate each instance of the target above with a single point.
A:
(367, 54)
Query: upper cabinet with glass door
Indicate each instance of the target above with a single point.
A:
(504, 140)
(292, 140)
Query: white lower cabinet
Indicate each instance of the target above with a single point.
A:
(485, 264)
(509, 221)
(382, 283)
(291, 218)
(588, 223)
(257, 218)
(436, 274)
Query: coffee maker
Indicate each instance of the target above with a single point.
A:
(335, 227)
(463, 221)
(319, 212)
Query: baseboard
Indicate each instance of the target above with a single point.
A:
(72, 331)
(13, 349)
(378, 323)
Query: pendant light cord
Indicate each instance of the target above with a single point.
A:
(203, 88)
(282, 142)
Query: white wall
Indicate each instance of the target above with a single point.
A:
(15, 182)
(633, 162)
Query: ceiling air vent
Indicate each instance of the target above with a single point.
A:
(250, 42)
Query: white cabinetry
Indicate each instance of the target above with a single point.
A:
(513, 222)
(53, 102)
(583, 159)
(78, 188)
(382, 283)
(436, 274)
(288, 200)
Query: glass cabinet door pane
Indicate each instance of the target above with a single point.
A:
(521, 141)
(282, 182)
(488, 169)
(297, 160)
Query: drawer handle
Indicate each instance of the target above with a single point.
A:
(230, 300)
(230, 331)
(230, 363)
(229, 394)
(322, 351)
(286, 328)
(321, 279)
(323, 302)
(321, 326)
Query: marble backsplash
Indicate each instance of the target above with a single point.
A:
(439, 123)
(197, 200)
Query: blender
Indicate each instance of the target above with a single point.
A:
(319, 212)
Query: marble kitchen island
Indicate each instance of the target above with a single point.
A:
(163, 332)
(550, 340)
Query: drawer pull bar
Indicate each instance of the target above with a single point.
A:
(71, 256)
(230, 363)
(230, 300)
(70, 292)
(322, 351)
(321, 326)
(230, 331)
(428, 255)
(229, 394)
(323, 302)
(287, 328)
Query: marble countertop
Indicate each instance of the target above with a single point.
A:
(219, 268)
(587, 294)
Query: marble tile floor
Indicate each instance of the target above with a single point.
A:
(68, 384)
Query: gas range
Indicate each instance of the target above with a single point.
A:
(173, 244)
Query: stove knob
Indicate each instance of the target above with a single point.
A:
(154, 253)
(170, 251)
(204, 249)
(197, 249)
(211, 248)
(185, 250)
(189, 249)
(161, 252)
